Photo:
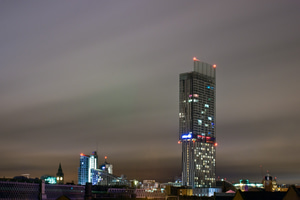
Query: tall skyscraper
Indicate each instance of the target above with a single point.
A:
(87, 163)
(93, 164)
(197, 125)
(83, 169)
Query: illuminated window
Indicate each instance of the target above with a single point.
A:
(181, 115)
(199, 121)
(206, 106)
(206, 125)
(209, 118)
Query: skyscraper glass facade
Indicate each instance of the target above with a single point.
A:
(197, 125)
(86, 166)
(83, 169)
(93, 164)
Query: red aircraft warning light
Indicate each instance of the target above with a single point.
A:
(214, 66)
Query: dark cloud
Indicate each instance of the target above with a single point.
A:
(84, 76)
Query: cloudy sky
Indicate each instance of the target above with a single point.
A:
(78, 76)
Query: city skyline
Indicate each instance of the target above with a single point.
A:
(79, 77)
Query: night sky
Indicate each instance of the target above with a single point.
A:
(78, 76)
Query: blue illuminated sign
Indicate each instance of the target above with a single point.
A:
(186, 136)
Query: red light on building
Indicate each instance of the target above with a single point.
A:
(179, 142)
(195, 59)
(216, 144)
(214, 66)
(81, 154)
(105, 157)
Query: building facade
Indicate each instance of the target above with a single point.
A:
(93, 164)
(86, 165)
(107, 166)
(83, 169)
(197, 125)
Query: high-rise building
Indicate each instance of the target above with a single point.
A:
(83, 169)
(87, 163)
(93, 164)
(197, 125)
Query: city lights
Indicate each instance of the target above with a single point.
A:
(186, 136)
(195, 59)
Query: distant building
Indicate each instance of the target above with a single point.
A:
(83, 169)
(93, 164)
(225, 186)
(197, 126)
(107, 166)
(268, 183)
(185, 191)
(60, 175)
(246, 185)
(102, 177)
(89, 173)
(86, 165)
(126, 193)
(150, 184)
(275, 187)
